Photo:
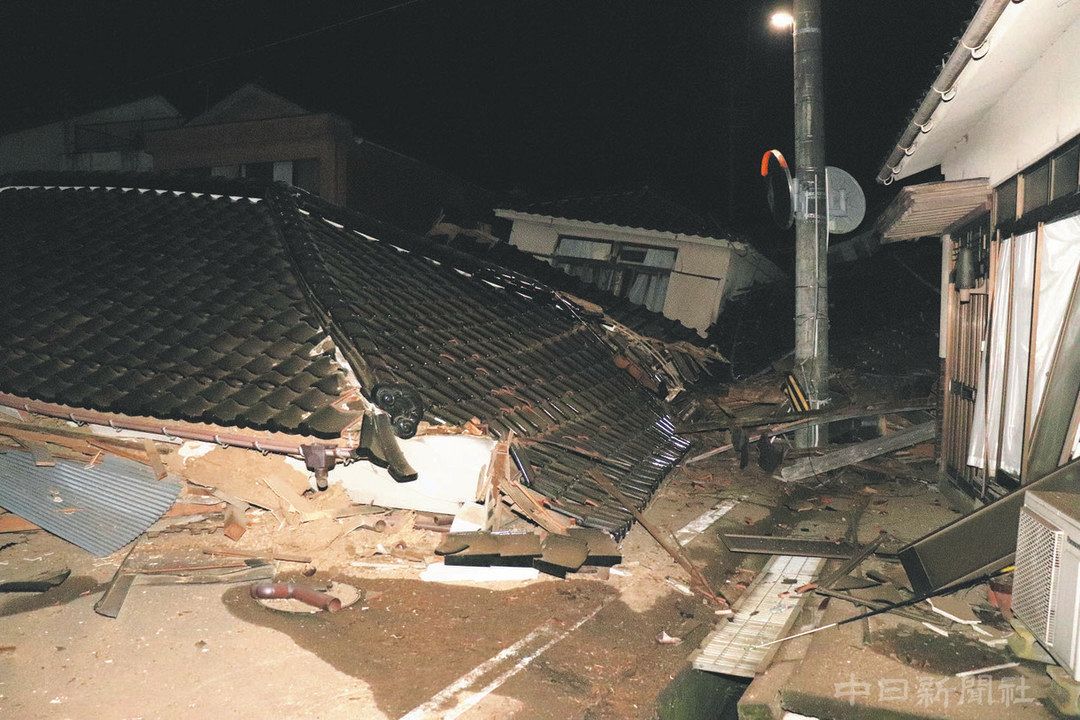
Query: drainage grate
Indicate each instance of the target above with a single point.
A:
(763, 615)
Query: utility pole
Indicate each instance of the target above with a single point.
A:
(811, 221)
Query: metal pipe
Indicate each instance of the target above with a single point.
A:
(292, 591)
(184, 431)
(973, 38)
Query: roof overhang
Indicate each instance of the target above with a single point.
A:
(1002, 41)
(932, 209)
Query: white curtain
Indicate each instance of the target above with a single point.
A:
(984, 426)
(1012, 436)
(995, 386)
(1058, 271)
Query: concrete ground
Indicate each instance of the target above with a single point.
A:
(577, 648)
(177, 651)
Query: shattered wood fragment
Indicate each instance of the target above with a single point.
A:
(292, 501)
(154, 459)
(235, 523)
(531, 506)
(40, 453)
(135, 454)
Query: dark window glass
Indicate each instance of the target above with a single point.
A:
(1066, 172)
(1006, 201)
(306, 174)
(1037, 186)
(259, 171)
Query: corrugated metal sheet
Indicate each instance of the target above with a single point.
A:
(101, 508)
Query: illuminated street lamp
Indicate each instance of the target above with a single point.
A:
(782, 20)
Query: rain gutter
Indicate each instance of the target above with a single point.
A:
(971, 47)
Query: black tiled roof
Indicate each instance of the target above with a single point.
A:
(167, 305)
(641, 208)
(635, 316)
(211, 309)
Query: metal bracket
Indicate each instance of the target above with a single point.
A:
(320, 460)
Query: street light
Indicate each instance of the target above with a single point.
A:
(782, 20)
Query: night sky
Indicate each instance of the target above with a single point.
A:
(533, 96)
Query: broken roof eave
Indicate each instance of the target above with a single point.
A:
(932, 209)
(262, 441)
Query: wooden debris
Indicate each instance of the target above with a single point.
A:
(40, 453)
(272, 554)
(531, 505)
(235, 523)
(813, 466)
(665, 540)
(154, 459)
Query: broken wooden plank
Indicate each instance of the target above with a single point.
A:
(812, 466)
(531, 505)
(811, 417)
(235, 523)
(12, 523)
(665, 540)
(40, 453)
(128, 453)
(153, 458)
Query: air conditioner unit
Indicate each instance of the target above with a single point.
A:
(1046, 583)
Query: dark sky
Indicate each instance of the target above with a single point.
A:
(548, 97)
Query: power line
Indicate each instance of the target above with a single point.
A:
(251, 51)
(276, 43)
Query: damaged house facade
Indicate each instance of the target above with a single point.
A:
(1006, 136)
(643, 247)
(1002, 121)
(259, 316)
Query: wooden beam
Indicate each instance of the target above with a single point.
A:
(808, 467)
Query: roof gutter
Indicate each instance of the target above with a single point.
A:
(968, 49)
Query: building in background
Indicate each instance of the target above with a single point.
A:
(253, 133)
(112, 139)
(642, 247)
(1008, 214)
(256, 134)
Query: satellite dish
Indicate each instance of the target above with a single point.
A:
(846, 202)
(779, 190)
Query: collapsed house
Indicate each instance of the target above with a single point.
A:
(256, 315)
(643, 247)
(677, 352)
